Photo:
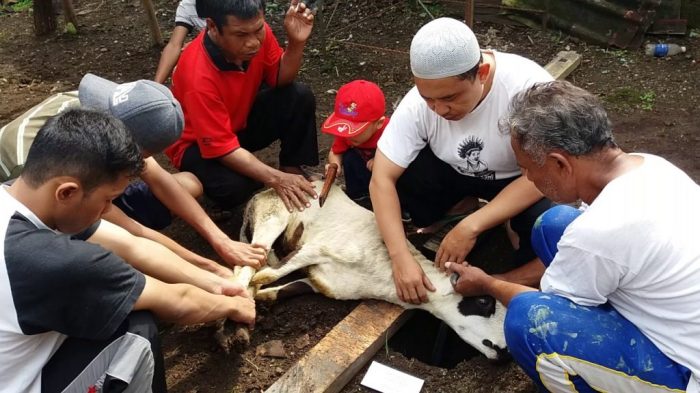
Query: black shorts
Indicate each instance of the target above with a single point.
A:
(139, 203)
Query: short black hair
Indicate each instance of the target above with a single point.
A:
(220, 10)
(471, 74)
(94, 147)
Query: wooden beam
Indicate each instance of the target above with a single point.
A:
(332, 363)
(469, 13)
(152, 22)
(563, 64)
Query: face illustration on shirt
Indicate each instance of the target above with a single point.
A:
(470, 151)
(473, 157)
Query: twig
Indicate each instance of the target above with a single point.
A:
(85, 12)
(328, 23)
(426, 9)
(251, 363)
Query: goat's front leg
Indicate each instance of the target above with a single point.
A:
(236, 335)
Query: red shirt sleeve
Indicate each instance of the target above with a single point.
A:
(213, 125)
(340, 145)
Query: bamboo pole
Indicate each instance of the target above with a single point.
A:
(69, 13)
(153, 22)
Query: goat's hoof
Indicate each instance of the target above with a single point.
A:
(263, 277)
(265, 295)
(230, 336)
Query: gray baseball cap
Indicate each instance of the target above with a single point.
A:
(148, 109)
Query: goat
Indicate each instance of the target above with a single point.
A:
(344, 255)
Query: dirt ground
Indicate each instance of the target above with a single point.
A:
(652, 102)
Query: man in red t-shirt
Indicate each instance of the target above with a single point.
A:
(236, 88)
(357, 123)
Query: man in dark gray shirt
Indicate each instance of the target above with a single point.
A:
(77, 316)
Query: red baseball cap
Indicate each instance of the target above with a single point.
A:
(357, 104)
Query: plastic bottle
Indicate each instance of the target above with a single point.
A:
(661, 50)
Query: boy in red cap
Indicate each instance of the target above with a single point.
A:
(357, 123)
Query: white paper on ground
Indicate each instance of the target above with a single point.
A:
(388, 380)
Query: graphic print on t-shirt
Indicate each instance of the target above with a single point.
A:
(470, 150)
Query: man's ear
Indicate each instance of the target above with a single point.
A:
(562, 163)
(483, 72)
(211, 26)
(68, 191)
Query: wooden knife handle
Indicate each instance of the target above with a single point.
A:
(330, 178)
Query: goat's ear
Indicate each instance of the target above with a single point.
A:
(483, 306)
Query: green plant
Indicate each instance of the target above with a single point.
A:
(630, 97)
(272, 8)
(620, 54)
(22, 5)
(647, 99)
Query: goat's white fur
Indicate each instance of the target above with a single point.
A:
(345, 257)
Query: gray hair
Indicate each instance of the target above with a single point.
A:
(557, 116)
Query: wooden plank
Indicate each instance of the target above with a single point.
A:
(563, 64)
(332, 363)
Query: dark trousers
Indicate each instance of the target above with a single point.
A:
(286, 114)
(429, 187)
(357, 176)
(76, 354)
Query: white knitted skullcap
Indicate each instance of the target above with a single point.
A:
(443, 47)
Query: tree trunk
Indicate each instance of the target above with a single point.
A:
(44, 17)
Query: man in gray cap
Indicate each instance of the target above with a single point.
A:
(443, 144)
(155, 120)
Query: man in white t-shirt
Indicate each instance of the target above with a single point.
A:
(443, 144)
(618, 311)
(187, 20)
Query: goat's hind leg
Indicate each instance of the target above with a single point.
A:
(290, 289)
(305, 256)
